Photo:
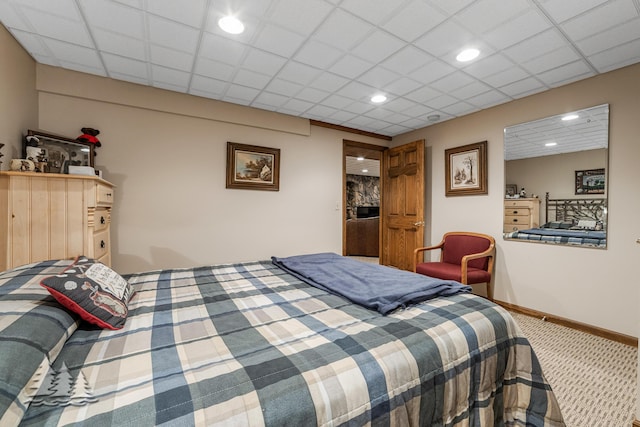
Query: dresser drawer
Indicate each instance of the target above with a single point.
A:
(102, 219)
(100, 243)
(509, 211)
(104, 195)
(509, 227)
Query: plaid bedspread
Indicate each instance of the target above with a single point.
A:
(568, 237)
(250, 345)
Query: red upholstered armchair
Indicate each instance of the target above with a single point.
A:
(466, 257)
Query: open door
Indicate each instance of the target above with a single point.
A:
(403, 208)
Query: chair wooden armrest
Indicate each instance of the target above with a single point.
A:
(418, 251)
(489, 253)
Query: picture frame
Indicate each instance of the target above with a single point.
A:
(466, 170)
(252, 167)
(510, 190)
(590, 181)
(54, 153)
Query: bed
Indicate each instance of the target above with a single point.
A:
(572, 221)
(253, 344)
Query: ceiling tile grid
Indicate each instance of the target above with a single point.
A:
(325, 59)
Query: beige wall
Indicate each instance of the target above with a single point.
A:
(586, 285)
(18, 98)
(166, 153)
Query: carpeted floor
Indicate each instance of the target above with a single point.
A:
(593, 378)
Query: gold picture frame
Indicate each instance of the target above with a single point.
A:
(251, 167)
(466, 170)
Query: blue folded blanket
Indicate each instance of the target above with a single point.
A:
(370, 285)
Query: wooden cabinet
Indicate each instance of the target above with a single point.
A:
(363, 237)
(54, 216)
(520, 214)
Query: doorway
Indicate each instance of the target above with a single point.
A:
(362, 200)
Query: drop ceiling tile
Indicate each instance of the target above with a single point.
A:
(342, 30)
(119, 44)
(189, 13)
(470, 90)
(445, 38)
(358, 91)
(485, 15)
(507, 76)
(321, 111)
(11, 19)
(617, 57)
(407, 60)
(459, 109)
(213, 69)
(416, 123)
(283, 87)
(278, 40)
(452, 82)
(114, 17)
(263, 62)
(561, 10)
(374, 11)
(413, 20)
(222, 49)
(126, 66)
(566, 74)
(298, 73)
(337, 101)
(128, 78)
(611, 38)
(419, 110)
(550, 60)
(488, 99)
(441, 101)
(402, 86)
(171, 34)
(329, 82)
(536, 46)
(171, 58)
(518, 29)
(272, 99)
(68, 52)
(299, 16)
(342, 116)
(400, 104)
(378, 77)
(359, 107)
(241, 94)
(433, 71)
(317, 54)
(204, 86)
(312, 95)
(489, 65)
(423, 95)
(58, 28)
(83, 68)
(377, 46)
(170, 86)
(610, 14)
(60, 8)
(133, 3)
(521, 87)
(31, 42)
(297, 106)
(251, 79)
(350, 66)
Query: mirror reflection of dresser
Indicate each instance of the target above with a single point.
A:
(521, 214)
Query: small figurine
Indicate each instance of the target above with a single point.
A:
(523, 193)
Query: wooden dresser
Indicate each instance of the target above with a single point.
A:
(54, 216)
(520, 214)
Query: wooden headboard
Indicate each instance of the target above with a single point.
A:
(573, 210)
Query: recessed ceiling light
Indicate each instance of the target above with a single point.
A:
(360, 158)
(378, 99)
(231, 25)
(570, 117)
(550, 144)
(365, 170)
(468, 55)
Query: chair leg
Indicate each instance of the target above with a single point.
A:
(489, 291)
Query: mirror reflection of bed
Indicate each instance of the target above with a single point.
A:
(550, 157)
(362, 208)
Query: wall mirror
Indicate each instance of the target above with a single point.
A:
(556, 175)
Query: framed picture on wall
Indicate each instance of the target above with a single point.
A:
(590, 181)
(251, 167)
(466, 170)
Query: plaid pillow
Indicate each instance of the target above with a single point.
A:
(94, 291)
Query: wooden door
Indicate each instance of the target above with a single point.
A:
(403, 208)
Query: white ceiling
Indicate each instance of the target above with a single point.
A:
(324, 59)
